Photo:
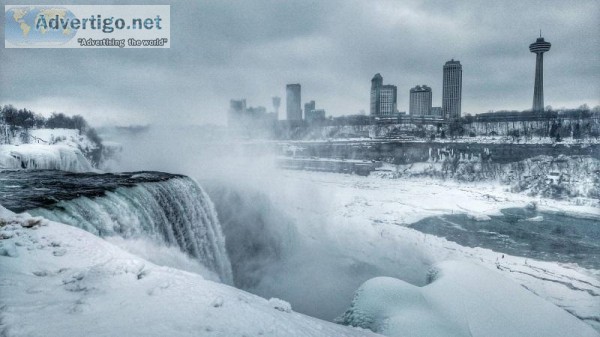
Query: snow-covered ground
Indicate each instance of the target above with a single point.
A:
(70, 137)
(333, 226)
(347, 229)
(43, 156)
(463, 300)
(364, 219)
(59, 280)
(54, 149)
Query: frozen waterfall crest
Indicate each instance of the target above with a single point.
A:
(174, 212)
(44, 157)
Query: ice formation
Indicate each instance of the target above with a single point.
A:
(43, 157)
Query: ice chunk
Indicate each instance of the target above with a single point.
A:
(8, 248)
(280, 305)
(478, 217)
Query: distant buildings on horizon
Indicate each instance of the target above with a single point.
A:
(240, 115)
(539, 47)
(308, 108)
(384, 97)
(420, 101)
(276, 104)
(420, 97)
(293, 100)
(452, 90)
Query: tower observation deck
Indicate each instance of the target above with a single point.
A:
(539, 47)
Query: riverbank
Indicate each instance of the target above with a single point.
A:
(367, 218)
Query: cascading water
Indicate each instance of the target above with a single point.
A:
(168, 209)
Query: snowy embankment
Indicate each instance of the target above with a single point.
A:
(70, 137)
(347, 228)
(463, 299)
(58, 280)
(371, 207)
(41, 156)
(52, 149)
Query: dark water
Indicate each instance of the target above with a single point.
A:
(22, 190)
(557, 237)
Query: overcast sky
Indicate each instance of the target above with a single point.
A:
(250, 49)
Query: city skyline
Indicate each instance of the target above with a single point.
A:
(212, 60)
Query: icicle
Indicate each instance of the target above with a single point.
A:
(46, 157)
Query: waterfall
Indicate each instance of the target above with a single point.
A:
(43, 157)
(175, 212)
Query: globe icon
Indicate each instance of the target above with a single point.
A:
(22, 27)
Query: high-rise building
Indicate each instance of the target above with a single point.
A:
(452, 89)
(376, 84)
(308, 107)
(388, 98)
(237, 109)
(383, 97)
(314, 115)
(276, 105)
(256, 112)
(242, 117)
(539, 47)
(420, 101)
(436, 111)
(293, 102)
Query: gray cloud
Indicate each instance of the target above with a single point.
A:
(251, 49)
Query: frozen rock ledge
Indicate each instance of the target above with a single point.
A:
(43, 157)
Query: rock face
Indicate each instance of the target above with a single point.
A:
(519, 126)
(548, 170)
(562, 177)
(398, 152)
(558, 178)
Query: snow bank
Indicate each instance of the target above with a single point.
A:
(65, 281)
(316, 237)
(70, 137)
(162, 255)
(40, 157)
(464, 300)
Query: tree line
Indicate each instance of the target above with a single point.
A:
(26, 119)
